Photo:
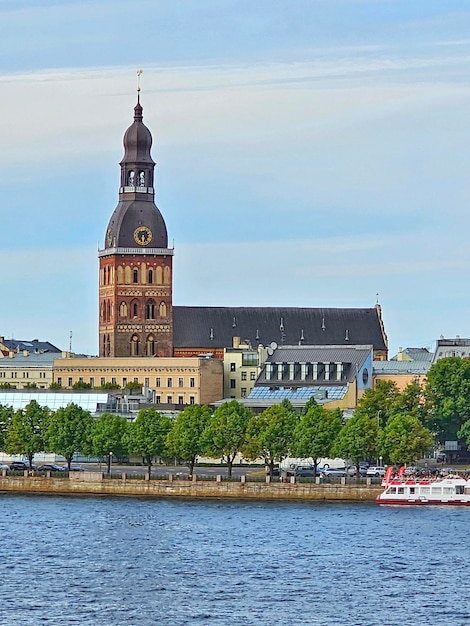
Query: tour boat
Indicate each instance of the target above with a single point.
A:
(452, 489)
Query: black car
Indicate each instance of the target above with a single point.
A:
(51, 467)
(20, 466)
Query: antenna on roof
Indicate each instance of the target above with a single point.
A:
(323, 327)
(70, 342)
(377, 298)
(234, 323)
(257, 334)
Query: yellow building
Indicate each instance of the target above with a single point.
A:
(242, 366)
(174, 381)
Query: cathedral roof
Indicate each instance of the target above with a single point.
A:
(207, 327)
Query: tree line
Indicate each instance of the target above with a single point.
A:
(398, 426)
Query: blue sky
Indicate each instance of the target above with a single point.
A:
(309, 153)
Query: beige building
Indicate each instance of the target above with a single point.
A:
(177, 381)
(23, 370)
(242, 366)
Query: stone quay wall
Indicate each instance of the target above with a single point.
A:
(95, 483)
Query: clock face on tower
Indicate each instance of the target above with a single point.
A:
(143, 235)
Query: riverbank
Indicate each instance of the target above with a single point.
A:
(95, 483)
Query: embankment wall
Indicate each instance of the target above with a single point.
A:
(98, 484)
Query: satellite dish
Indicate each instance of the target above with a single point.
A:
(270, 351)
(273, 345)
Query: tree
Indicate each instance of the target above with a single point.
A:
(81, 384)
(108, 436)
(269, 435)
(411, 401)
(357, 440)
(378, 402)
(106, 386)
(225, 434)
(133, 386)
(30, 386)
(316, 433)
(6, 416)
(448, 397)
(69, 431)
(404, 439)
(55, 386)
(185, 439)
(26, 431)
(147, 435)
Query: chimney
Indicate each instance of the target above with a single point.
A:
(235, 342)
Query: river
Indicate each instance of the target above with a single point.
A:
(123, 561)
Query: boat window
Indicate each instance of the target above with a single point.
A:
(401, 490)
(392, 490)
(412, 489)
(436, 490)
(425, 490)
(459, 489)
(449, 489)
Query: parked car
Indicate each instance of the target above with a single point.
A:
(375, 471)
(4, 466)
(20, 466)
(352, 470)
(50, 467)
(75, 467)
(304, 471)
(333, 472)
(276, 470)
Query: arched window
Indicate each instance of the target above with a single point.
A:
(108, 311)
(141, 179)
(150, 310)
(162, 309)
(123, 309)
(131, 179)
(135, 276)
(135, 346)
(159, 276)
(101, 312)
(120, 275)
(127, 275)
(150, 345)
(108, 346)
(103, 347)
(166, 275)
(150, 277)
(135, 309)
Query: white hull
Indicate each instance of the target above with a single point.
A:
(453, 490)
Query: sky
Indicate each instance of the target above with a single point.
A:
(309, 153)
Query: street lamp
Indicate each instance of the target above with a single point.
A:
(110, 462)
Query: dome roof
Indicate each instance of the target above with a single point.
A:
(131, 217)
(137, 140)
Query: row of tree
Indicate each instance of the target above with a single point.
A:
(399, 426)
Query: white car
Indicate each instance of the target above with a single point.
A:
(376, 472)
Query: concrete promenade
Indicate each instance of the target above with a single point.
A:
(95, 483)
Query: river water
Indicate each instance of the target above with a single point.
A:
(118, 561)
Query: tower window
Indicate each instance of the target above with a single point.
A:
(150, 277)
(150, 310)
(162, 309)
(135, 309)
(131, 179)
(135, 276)
(141, 179)
(135, 346)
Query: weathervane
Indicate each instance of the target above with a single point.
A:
(139, 73)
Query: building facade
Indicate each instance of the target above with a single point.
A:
(171, 381)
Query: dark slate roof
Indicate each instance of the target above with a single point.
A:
(34, 345)
(416, 354)
(352, 358)
(206, 327)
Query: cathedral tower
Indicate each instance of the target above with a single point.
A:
(136, 274)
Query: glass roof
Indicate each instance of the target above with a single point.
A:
(280, 393)
(53, 400)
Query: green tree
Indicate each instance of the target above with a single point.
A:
(357, 440)
(378, 402)
(316, 433)
(185, 439)
(106, 386)
(108, 437)
(6, 416)
(7, 386)
(30, 386)
(26, 431)
(411, 401)
(133, 386)
(55, 386)
(225, 434)
(404, 439)
(69, 431)
(269, 434)
(81, 384)
(448, 397)
(147, 435)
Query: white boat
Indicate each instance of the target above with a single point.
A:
(452, 489)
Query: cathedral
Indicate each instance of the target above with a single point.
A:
(136, 313)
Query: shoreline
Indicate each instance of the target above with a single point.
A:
(94, 483)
